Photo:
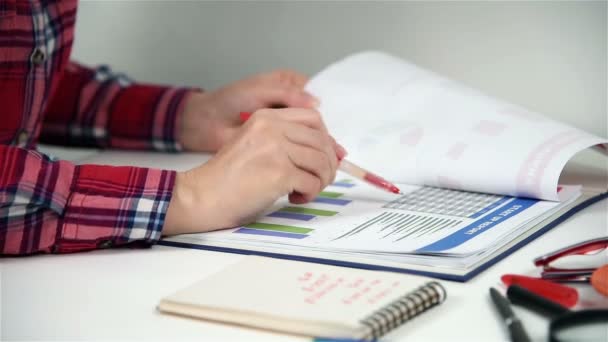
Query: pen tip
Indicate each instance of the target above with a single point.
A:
(395, 190)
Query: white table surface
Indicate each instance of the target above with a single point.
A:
(112, 294)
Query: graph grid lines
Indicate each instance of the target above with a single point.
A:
(447, 202)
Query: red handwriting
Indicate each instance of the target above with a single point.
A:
(305, 277)
(351, 291)
(316, 283)
(356, 283)
(373, 292)
(379, 296)
(312, 299)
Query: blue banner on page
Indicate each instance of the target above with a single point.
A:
(487, 222)
(490, 207)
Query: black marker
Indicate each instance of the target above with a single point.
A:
(516, 328)
(520, 296)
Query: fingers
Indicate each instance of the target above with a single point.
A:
(319, 163)
(307, 117)
(340, 150)
(311, 118)
(306, 128)
(314, 139)
(306, 136)
(298, 198)
(286, 87)
(309, 152)
(306, 186)
(286, 77)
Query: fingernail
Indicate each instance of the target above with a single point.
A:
(340, 151)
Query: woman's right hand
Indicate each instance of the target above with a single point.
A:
(277, 152)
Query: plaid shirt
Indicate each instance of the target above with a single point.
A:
(56, 206)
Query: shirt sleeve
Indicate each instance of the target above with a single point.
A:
(49, 206)
(100, 108)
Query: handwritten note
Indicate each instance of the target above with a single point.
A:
(317, 286)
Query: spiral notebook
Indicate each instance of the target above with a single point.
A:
(307, 299)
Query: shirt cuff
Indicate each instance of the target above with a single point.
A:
(112, 206)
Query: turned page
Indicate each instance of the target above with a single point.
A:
(414, 126)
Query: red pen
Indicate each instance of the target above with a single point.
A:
(354, 170)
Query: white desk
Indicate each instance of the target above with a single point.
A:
(112, 294)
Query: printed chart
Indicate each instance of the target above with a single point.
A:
(401, 226)
(447, 202)
(299, 213)
(351, 215)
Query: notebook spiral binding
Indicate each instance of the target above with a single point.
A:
(403, 309)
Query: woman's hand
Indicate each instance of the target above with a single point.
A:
(278, 152)
(211, 119)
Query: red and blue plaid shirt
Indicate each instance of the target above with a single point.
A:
(56, 206)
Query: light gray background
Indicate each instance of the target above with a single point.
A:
(548, 56)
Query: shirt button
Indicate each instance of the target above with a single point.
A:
(105, 244)
(22, 138)
(38, 57)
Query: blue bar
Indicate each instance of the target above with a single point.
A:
(343, 185)
(487, 222)
(334, 201)
(270, 233)
(292, 216)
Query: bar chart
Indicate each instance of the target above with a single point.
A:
(397, 226)
(301, 214)
(330, 197)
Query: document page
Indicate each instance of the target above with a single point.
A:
(413, 126)
(352, 216)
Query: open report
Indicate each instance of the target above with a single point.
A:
(478, 176)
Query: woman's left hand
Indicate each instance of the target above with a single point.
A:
(210, 119)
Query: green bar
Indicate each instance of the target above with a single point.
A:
(345, 181)
(302, 210)
(279, 228)
(330, 194)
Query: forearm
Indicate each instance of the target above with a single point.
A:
(96, 107)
